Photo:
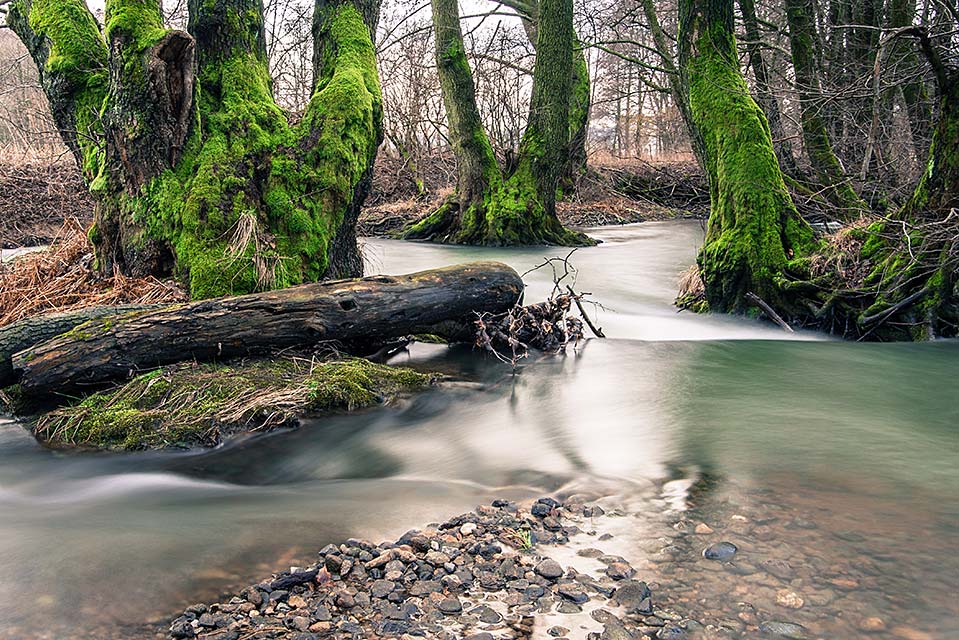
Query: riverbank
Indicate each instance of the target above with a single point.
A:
(501, 571)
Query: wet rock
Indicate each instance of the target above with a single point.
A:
(540, 510)
(482, 635)
(789, 599)
(450, 606)
(589, 553)
(382, 588)
(425, 587)
(614, 629)
(721, 551)
(345, 600)
(321, 614)
(549, 569)
(635, 597)
(568, 607)
(573, 593)
(182, 629)
(671, 632)
(779, 568)
(778, 629)
(620, 571)
(557, 631)
(872, 624)
(486, 614)
(703, 529)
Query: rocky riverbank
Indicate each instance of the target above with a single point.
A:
(502, 571)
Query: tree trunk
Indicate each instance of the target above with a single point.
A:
(25, 333)
(804, 42)
(764, 95)
(754, 230)
(489, 208)
(373, 309)
(195, 169)
(915, 94)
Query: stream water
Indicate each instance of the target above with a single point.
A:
(833, 466)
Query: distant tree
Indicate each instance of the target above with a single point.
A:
(490, 207)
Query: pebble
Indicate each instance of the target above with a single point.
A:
(620, 571)
(872, 624)
(703, 529)
(721, 551)
(789, 599)
(573, 593)
(450, 605)
(783, 629)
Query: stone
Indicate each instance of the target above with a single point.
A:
(615, 630)
(573, 593)
(779, 568)
(557, 631)
(671, 632)
(789, 599)
(468, 528)
(620, 571)
(872, 624)
(486, 615)
(425, 587)
(382, 588)
(721, 551)
(703, 529)
(482, 635)
(345, 600)
(182, 629)
(635, 597)
(568, 607)
(788, 630)
(549, 569)
(450, 606)
(589, 553)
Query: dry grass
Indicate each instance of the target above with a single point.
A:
(62, 278)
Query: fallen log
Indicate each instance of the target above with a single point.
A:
(438, 301)
(25, 333)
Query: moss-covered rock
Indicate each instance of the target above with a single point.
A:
(199, 404)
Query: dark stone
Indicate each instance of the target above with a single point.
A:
(305, 636)
(482, 635)
(345, 600)
(425, 587)
(322, 614)
(500, 503)
(552, 524)
(721, 551)
(615, 630)
(540, 510)
(569, 607)
(557, 632)
(294, 579)
(182, 630)
(549, 502)
(534, 591)
(279, 595)
(549, 569)
(486, 614)
(382, 588)
(394, 627)
(573, 593)
(450, 606)
(634, 596)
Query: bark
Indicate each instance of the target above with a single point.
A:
(579, 95)
(805, 45)
(764, 95)
(913, 88)
(375, 308)
(30, 331)
(490, 208)
(754, 231)
(195, 169)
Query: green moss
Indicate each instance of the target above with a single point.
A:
(754, 230)
(191, 404)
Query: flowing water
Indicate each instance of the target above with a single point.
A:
(833, 466)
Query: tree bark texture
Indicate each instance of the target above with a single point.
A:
(491, 208)
(754, 230)
(378, 308)
(195, 169)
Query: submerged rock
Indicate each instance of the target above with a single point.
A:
(721, 551)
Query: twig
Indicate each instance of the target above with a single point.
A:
(579, 305)
(775, 317)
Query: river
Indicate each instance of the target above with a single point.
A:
(833, 466)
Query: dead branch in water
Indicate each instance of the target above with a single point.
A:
(546, 326)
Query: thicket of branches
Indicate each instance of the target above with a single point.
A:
(873, 91)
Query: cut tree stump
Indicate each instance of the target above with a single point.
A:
(374, 309)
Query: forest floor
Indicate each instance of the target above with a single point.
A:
(36, 197)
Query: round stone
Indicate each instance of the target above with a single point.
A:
(721, 551)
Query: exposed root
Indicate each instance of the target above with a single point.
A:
(62, 278)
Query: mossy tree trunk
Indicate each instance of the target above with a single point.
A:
(915, 254)
(195, 169)
(804, 43)
(491, 208)
(579, 96)
(754, 232)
